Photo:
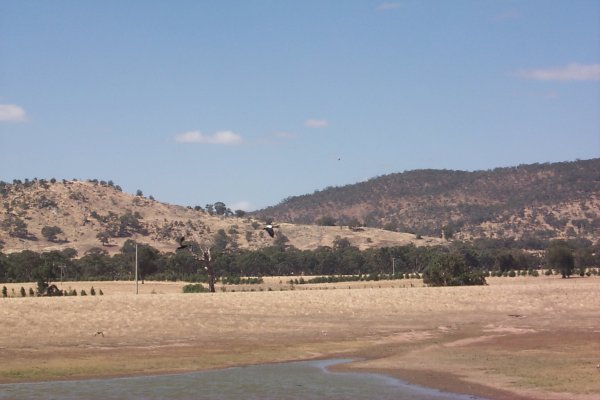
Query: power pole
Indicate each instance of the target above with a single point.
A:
(136, 268)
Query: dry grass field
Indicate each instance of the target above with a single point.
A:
(517, 338)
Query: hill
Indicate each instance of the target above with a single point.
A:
(42, 215)
(537, 202)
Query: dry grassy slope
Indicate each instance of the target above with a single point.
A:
(70, 204)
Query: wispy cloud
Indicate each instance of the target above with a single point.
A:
(570, 72)
(388, 6)
(223, 137)
(241, 205)
(316, 123)
(12, 113)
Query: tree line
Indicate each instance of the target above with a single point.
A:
(459, 263)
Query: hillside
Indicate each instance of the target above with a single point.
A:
(538, 201)
(44, 215)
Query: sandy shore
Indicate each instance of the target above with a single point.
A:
(517, 338)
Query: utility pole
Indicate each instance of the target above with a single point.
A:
(62, 273)
(136, 269)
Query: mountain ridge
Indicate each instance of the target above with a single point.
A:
(546, 201)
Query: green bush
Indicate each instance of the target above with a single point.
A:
(194, 288)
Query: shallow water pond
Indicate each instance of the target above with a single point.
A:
(290, 381)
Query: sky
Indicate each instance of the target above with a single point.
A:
(250, 102)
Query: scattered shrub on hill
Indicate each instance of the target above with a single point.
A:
(50, 232)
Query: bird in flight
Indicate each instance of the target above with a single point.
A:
(181, 245)
(270, 230)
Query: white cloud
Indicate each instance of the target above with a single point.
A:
(12, 113)
(570, 72)
(388, 6)
(316, 123)
(223, 137)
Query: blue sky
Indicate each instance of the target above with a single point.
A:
(249, 102)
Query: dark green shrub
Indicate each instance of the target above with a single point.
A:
(194, 288)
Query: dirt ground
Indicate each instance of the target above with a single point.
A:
(517, 338)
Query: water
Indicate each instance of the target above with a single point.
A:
(290, 381)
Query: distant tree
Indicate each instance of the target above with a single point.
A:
(4, 291)
(505, 262)
(340, 243)
(50, 232)
(210, 209)
(103, 237)
(559, 256)
(220, 208)
(43, 275)
(16, 227)
(139, 193)
(220, 240)
(240, 213)
(451, 270)
(23, 293)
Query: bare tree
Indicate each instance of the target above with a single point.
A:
(207, 261)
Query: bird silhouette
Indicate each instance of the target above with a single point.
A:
(270, 230)
(181, 245)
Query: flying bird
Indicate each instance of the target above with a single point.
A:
(270, 230)
(181, 245)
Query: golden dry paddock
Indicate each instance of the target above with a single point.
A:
(517, 338)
